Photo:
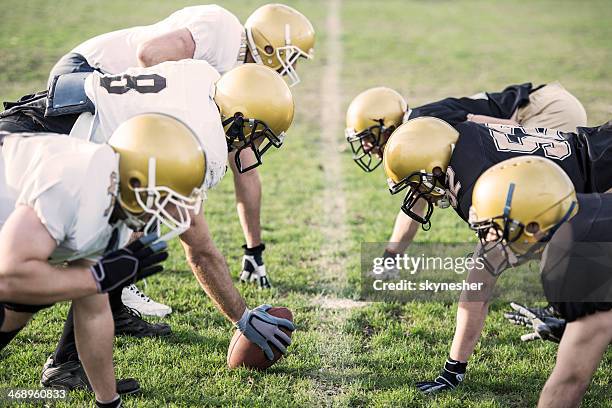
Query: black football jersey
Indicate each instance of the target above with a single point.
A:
(482, 146)
(576, 267)
(495, 104)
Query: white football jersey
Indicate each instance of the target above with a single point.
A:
(182, 89)
(217, 34)
(72, 186)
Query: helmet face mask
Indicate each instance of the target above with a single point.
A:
(162, 206)
(374, 137)
(515, 239)
(420, 185)
(259, 139)
(288, 57)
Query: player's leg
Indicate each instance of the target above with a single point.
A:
(63, 369)
(93, 327)
(580, 352)
(247, 188)
(13, 318)
(11, 322)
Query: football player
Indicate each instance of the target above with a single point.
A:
(373, 114)
(65, 201)
(438, 164)
(526, 201)
(247, 110)
(274, 35)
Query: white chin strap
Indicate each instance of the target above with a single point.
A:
(291, 54)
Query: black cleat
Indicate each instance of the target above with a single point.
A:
(71, 376)
(129, 322)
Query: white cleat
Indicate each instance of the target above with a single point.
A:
(134, 298)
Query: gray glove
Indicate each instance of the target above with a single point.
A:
(263, 329)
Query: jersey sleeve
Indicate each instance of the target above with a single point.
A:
(450, 110)
(215, 31)
(53, 205)
(496, 104)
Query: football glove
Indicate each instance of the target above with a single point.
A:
(138, 260)
(450, 377)
(545, 326)
(253, 268)
(263, 329)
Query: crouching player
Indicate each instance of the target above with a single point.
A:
(525, 201)
(67, 206)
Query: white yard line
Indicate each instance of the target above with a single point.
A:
(332, 267)
(335, 347)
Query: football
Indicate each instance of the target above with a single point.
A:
(243, 353)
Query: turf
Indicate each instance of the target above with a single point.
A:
(345, 357)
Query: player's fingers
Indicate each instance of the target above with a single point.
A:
(522, 310)
(145, 252)
(530, 337)
(278, 344)
(267, 350)
(518, 320)
(141, 242)
(145, 273)
(154, 259)
(283, 337)
(287, 324)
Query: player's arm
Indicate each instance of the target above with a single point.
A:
(404, 230)
(27, 277)
(25, 273)
(212, 273)
(490, 119)
(172, 46)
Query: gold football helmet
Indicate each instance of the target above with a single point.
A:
(521, 201)
(162, 167)
(370, 119)
(416, 157)
(256, 107)
(278, 36)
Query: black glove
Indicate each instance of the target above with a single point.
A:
(253, 268)
(125, 266)
(450, 377)
(545, 326)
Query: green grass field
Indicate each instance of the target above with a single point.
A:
(342, 356)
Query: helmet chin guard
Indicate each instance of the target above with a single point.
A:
(165, 207)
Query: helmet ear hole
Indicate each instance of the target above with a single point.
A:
(532, 228)
(134, 182)
(437, 171)
(268, 49)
